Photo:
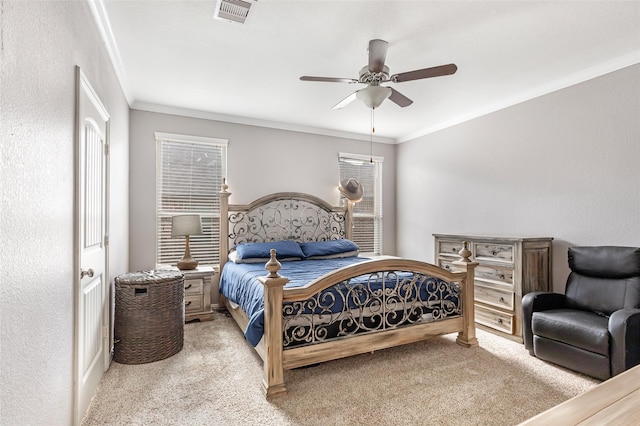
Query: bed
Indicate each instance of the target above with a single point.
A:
(302, 293)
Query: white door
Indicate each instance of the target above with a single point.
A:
(92, 343)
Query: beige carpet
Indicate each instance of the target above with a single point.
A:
(215, 380)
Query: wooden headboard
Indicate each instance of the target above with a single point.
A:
(281, 216)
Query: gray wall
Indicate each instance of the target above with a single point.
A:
(260, 161)
(42, 42)
(565, 165)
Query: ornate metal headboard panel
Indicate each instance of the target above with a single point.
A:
(286, 216)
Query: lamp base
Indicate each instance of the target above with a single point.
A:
(187, 264)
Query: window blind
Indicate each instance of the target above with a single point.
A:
(189, 174)
(367, 214)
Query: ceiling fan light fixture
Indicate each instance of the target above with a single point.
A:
(373, 96)
(375, 73)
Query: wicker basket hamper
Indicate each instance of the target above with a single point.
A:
(149, 316)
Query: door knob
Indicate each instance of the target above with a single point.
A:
(86, 273)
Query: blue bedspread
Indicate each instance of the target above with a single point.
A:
(239, 283)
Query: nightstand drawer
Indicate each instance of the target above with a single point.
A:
(450, 248)
(193, 286)
(494, 296)
(197, 292)
(193, 304)
(494, 252)
(494, 319)
(498, 275)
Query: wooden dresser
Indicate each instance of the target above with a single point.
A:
(509, 267)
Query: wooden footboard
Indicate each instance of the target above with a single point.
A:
(277, 359)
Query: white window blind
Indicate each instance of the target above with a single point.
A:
(189, 174)
(367, 214)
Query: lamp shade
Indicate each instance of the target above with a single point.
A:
(372, 96)
(186, 224)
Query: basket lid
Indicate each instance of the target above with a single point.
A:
(154, 276)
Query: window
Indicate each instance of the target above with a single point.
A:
(189, 174)
(367, 214)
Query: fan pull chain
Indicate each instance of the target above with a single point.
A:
(373, 130)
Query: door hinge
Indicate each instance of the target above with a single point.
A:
(107, 149)
(106, 240)
(105, 331)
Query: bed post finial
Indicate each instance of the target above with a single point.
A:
(273, 265)
(465, 253)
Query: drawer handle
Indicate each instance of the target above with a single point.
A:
(447, 267)
(499, 320)
(501, 299)
(188, 303)
(501, 276)
(188, 287)
(493, 252)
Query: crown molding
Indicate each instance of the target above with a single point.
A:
(165, 109)
(581, 76)
(104, 27)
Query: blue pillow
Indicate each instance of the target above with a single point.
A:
(263, 250)
(233, 256)
(329, 248)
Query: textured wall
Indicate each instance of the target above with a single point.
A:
(564, 165)
(260, 161)
(42, 42)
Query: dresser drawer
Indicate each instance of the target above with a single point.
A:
(193, 286)
(495, 319)
(446, 264)
(450, 248)
(494, 252)
(495, 274)
(494, 296)
(193, 304)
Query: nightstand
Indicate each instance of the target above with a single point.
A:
(197, 293)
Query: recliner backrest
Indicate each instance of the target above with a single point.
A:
(603, 279)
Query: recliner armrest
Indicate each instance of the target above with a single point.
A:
(535, 302)
(624, 328)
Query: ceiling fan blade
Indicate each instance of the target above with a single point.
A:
(328, 79)
(399, 98)
(424, 73)
(377, 54)
(346, 101)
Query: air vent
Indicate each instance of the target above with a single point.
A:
(232, 10)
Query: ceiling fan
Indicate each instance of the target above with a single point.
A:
(375, 73)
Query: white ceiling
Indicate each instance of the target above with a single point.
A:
(173, 56)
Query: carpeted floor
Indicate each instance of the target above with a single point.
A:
(215, 380)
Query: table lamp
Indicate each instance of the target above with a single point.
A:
(186, 224)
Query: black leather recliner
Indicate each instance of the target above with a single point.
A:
(594, 328)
